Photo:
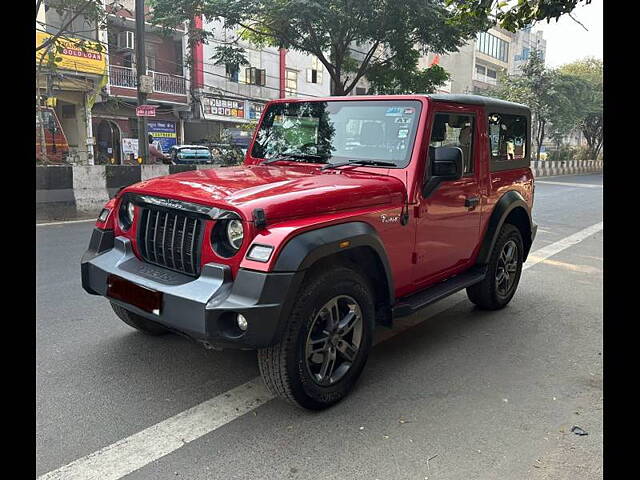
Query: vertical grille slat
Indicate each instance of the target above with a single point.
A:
(193, 239)
(170, 239)
(173, 241)
(155, 236)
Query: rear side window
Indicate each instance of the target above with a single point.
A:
(508, 140)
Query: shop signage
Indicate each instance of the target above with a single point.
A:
(223, 107)
(130, 148)
(163, 132)
(255, 110)
(76, 54)
(146, 111)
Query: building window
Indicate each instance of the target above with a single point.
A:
(492, 73)
(493, 46)
(292, 82)
(361, 91)
(508, 137)
(232, 72)
(255, 76)
(314, 74)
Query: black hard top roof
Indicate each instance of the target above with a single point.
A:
(478, 100)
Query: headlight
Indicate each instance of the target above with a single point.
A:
(227, 235)
(126, 214)
(235, 233)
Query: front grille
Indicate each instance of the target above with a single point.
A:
(170, 239)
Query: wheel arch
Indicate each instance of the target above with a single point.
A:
(513, 209)
(356, 243)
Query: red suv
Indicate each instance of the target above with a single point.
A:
(347, 213)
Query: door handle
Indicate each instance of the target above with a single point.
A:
(471, 202)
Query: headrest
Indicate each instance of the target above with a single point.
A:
(371, 134)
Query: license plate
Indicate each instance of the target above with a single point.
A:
(142, 297)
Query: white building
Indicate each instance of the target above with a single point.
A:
(524, 43)
(225, 99)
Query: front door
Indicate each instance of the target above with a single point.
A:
(448, 220)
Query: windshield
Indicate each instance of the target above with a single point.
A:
(339, 131)
(194, 151)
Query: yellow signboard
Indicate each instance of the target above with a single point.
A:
(76, 55)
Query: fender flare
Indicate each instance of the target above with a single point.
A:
(304, 249)
(507, 204)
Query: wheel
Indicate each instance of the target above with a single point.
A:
(325, 343)
(139, 323)
(503, 273)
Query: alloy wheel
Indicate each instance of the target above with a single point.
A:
(334, 340)
(507, 268)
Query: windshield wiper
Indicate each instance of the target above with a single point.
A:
(359, 162)
(288, 156)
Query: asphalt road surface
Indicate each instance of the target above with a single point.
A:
(451, 393)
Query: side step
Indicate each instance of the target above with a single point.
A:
(408, 305)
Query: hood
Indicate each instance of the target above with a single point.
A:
(283, 192)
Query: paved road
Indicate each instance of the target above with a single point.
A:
(456, 394)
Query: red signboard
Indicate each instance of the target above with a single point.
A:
(146, 111)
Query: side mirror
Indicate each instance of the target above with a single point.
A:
(447, 164)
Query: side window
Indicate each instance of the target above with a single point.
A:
(508, 137)
(454, 130)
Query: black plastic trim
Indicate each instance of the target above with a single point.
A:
(101, 241)
(507, 203)
(305, 249)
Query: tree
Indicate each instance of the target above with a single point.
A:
(351, 38)
(93, 13)
(515, 15)
(589, 71)
(399, 78)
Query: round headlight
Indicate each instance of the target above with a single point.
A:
(126, 214)
(235, 233)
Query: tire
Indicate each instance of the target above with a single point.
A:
(293, 368)
(496, 291)
(139, 323)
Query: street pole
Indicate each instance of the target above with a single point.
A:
(141, 69)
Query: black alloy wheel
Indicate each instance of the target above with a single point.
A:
(334, 340)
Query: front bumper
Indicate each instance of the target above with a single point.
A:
(202, 308)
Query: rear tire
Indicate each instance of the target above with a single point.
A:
(139, 323)
(325, 342)
(503, 272)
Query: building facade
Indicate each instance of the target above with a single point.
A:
(228, 99)
(525, 41)
(477, 65)
(72, 86)
(115, 123)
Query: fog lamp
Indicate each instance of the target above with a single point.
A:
(242, 322)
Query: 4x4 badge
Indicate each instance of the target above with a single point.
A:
(389, 219)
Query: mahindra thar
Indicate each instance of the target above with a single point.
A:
(347, 213)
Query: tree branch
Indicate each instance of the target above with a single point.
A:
(577, 21)
(64, 27)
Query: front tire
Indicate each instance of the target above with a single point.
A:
(325, 343)
(503, 272)
(139, 323)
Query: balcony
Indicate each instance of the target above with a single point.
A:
(125, 77)
(484, 78)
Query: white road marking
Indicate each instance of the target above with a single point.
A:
(134, 452)
(567, 184)
(549, 250)
(65, 222)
